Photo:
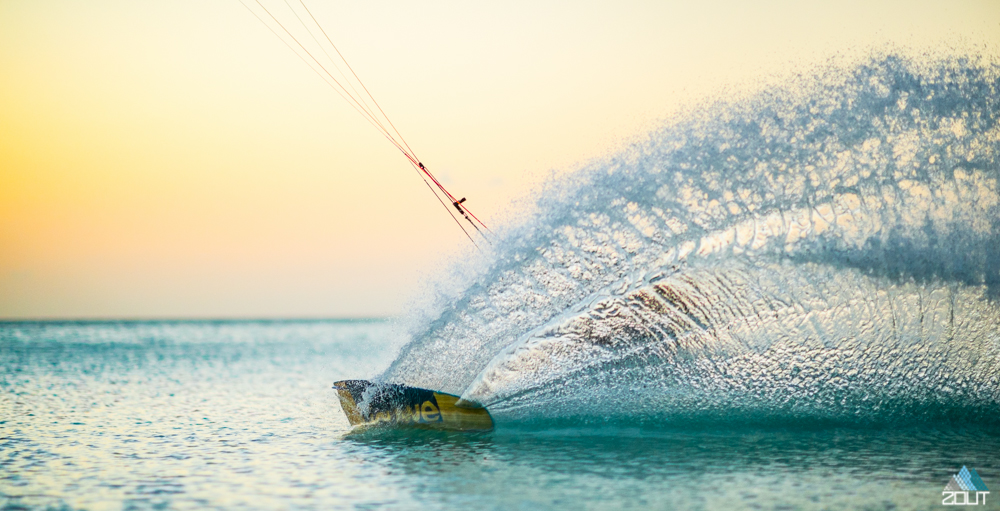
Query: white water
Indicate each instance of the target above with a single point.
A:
(823, 252)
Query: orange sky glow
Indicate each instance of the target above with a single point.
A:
(174, 159)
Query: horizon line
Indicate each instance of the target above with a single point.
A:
(206, 319)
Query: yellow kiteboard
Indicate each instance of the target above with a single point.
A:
(398, 406)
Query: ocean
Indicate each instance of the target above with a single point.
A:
(241, 415)
(781, 300)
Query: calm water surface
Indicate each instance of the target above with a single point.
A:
(201, 415)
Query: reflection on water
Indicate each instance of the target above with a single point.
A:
(225, 415)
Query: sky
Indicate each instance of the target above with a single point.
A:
(173, 159)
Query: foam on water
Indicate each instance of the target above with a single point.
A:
(826, 251)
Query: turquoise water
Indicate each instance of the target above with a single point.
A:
(203, 415)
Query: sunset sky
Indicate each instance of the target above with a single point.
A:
(174, 159)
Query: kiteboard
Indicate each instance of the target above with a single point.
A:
(369, 404)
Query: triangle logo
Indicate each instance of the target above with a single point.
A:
(966, 480)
